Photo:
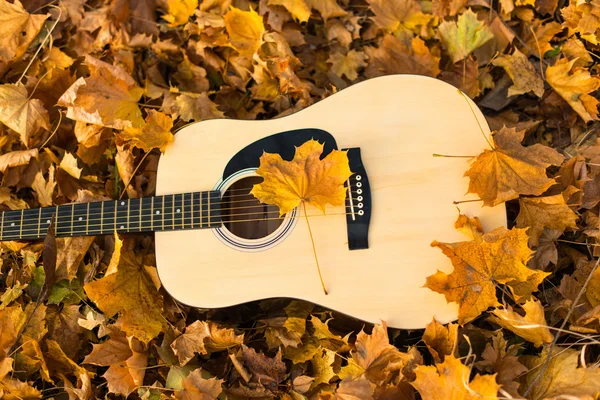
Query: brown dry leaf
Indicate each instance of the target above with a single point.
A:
(464, 36)
(109, 97)
(575, 51)
(444, 8)
(196, 387)
(563, 378)
(531, 327)
(18, 28)
(62, 364)
(70, 253)
(245, 30)
(20, 112)
(537, 37)
(500, 256)
(204, 337)
(440, 340)
(179, 11)
(522, 73)
(390, 15)
(299, 9)
(197, 107)
(155, 134)
(375, 357)
(130, 292)
(327, 8)
(347, 65)
(16, 158)
(502, 360)
(573, 84)
(306, 178)
(287, 330)
(394, 57)
(269, 371)
(12, 320)
(450, 380)
(510, 169)
(126, 358)
(537, 213)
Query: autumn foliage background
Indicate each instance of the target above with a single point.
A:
(91, 93)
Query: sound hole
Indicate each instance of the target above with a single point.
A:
(243, 215)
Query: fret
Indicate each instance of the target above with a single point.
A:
(140, 217)
(72, 215)
(201, 210)
(192, 209)
(39, 223)
(101, 217)
(186, 208)
(121, 216)
(147, 214)
(110, 212)
(79, 218)
(11, 228)
(134, 218)
(152, 213)
(46, 217)
(56, 220)
(2, 227)
(163, 213)
(115, 217)
(87, 219)
(174, 207)
(28, 228)
(216, 208)
(208, 203)
(128, 216)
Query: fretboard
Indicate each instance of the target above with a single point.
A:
(196, 210)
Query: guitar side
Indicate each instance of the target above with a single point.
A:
(398, 122)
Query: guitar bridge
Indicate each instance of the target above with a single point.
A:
(358, 202)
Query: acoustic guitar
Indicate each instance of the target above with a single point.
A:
(217, 246)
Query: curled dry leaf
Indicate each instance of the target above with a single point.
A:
(203, 337)
(531, 327)
(440, 340)
(18, 28)
(306, 178)
(155, 134)
(16, 158)
(511, 169)
(522, 73)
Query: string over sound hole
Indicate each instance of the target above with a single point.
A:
(243, 215)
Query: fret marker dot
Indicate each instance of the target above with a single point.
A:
(122, 203)
(122, 227)
(12, 224)
(48, 221)
(178, 210)
(157, 212)
(81, 218)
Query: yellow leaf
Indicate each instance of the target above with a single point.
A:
(202, 337)
(461, 38)
(573, 84)
(130, 291)
(510, 169)
(450, 380)
(21, 113)
(522, 73)
(108, 97)
(298, 8)
(562, 378)
(65, 364)
(322, 367)
(12, 320)
(499, 256)
(245, 30)
(327, 8)
(393, 56)
(306, 178)
(44, 189)
(440, 340)
(537, 213)
(197, 107)
(155, 134)
(179, 11)
(532, 327)
(348, 64)
(69, 165)
(390, 14)
(195, 387)
(18, 28)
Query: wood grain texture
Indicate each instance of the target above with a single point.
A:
(398, 122)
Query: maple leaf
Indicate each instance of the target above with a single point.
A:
(155, 134)
(202, 337)
(440, 340)
(179, 11)
(499, 256)
(197, 107)
(461, 38)
(298, 8)
(306, 178)
(108, 97)
(130, 291)
(263, 369)
(522, 73)
(537, 213)
(562, 377)
(510, 169)
(573, 84)
(69, 165)
(20, 113)
(245, 30)
(532, 327)
(18, 29)
(126, 358)
(394, 57)
(12, 320)
(196, 387)
(322, 367)
(450, 380)
(390, 15)
(288, 330)
(348, 64)
(44, 189)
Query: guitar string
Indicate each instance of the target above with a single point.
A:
(8, 236)
(109, 215)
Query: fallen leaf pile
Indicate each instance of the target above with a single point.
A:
(91, 92)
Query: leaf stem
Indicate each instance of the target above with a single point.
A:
(314, 249)
(476, 119)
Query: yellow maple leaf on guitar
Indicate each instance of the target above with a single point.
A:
(306, 178)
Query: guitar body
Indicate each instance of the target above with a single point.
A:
(397, 122)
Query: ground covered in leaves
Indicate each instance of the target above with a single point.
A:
(90, 94)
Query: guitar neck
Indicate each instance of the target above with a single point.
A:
(196, 210)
